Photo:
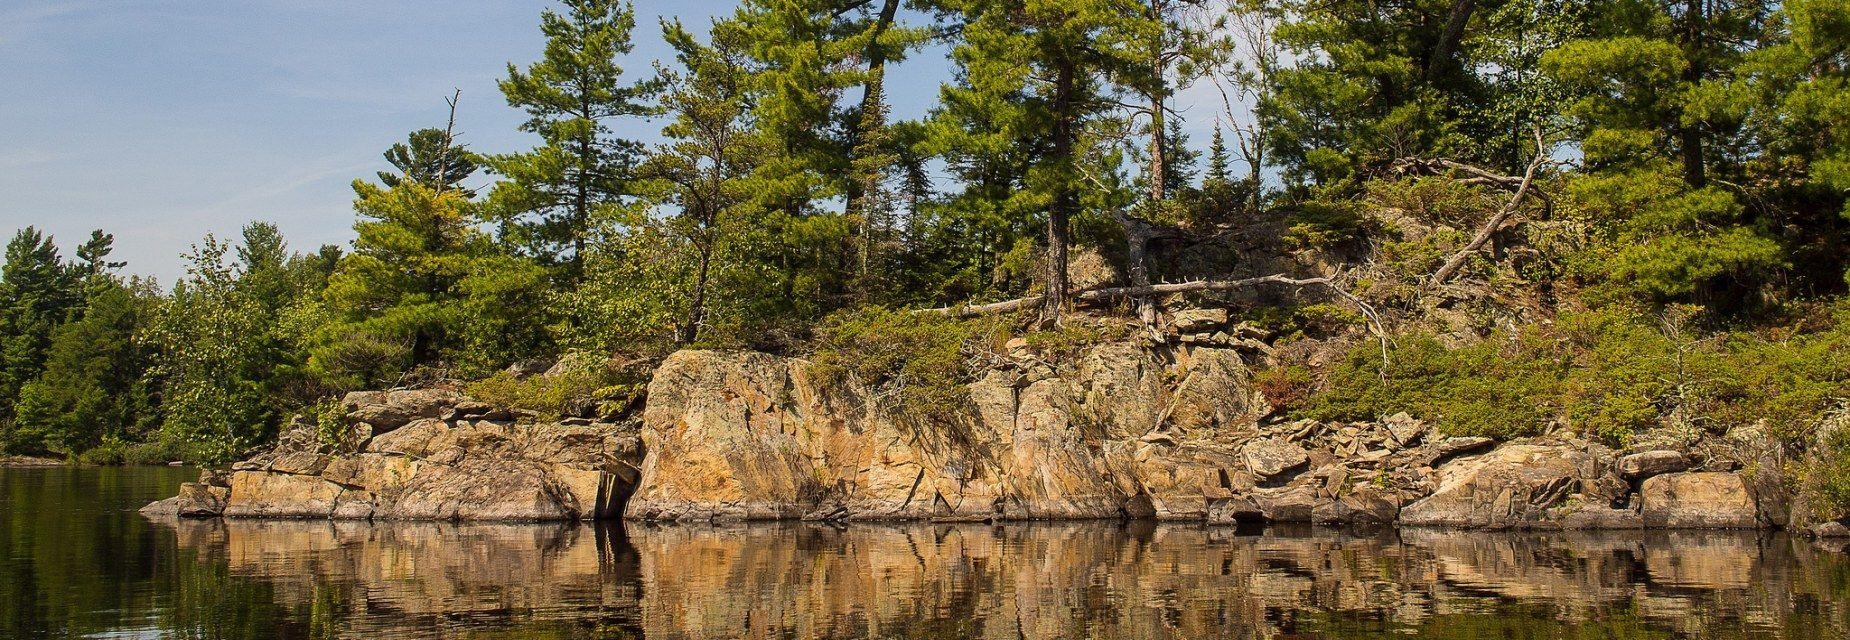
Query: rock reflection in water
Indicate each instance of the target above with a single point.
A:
(1033, 581)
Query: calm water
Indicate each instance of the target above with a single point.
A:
(76, 561)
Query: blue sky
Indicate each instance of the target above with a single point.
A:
(163, 120)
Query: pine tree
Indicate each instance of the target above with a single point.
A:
(37, 293)
(1032, 75)
(551, 196)
(1675, 236)
(433, 157)
(92, 388)
(682, 269)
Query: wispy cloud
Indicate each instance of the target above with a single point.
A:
(11, 159)
(17, 21)
(340, 165)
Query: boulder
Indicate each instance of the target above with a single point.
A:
(1269, 459)
(1698, 500)
(1830, 529)
(1288, 504)
(1639, 466)
(488, 490)
(258, 494)
(1515, 486)
(1198, 320)
(1405, 430)
(388, 410)
(415, 439)
(1461, 445)
(196, 500)
(300, 463)
(1365, 505)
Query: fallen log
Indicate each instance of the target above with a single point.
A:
(1113, 294)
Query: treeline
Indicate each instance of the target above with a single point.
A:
(1699, 149)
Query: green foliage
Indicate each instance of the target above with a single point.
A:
(37, 291)
(422, 287)
(924, 361)
(580, 385)
(92, 388)
(1325, 224)
(1609, 374)
(330, 417)
(1827, 475)
(430, 156)
(1366, 83)
(551, 195)
(224, 359)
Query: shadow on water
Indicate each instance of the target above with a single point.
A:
(110, 573)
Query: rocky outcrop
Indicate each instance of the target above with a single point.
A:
(752, 436)
(1123, 430)
(426, 455)
(1645, 464)
(1522, 486)
(1700, 500)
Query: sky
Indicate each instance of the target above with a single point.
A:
(163, 120)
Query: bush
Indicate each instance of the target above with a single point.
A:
(1827, 476)
(581, 385)
(1479, 390)
(925, 361)
(1609, 374)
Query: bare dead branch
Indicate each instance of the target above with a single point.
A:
(1490, 227)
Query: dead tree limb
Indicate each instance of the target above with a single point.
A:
(1490, 227)
(993, 308)
(1112, 294)
(1479, 176)
(1138, 233)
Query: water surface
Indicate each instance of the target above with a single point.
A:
(76, 561)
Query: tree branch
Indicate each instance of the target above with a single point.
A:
(1112, 294)
(1457, 261)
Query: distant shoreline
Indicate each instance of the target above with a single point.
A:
(28, 462)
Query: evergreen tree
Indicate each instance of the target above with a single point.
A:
(1033, 75)
(551, 196)
(92, 389)
(682, 270)
(37, 293)
(433, 157)
(1649, 157)
(1370, 82)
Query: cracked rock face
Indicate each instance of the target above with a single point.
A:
(1173, 433)
(748, 436)
(400, 461)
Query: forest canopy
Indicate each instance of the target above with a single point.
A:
(1379, 167)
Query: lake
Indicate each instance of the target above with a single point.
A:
(77, 561)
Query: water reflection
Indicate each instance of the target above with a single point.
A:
(1101, 580)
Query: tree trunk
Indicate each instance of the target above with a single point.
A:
(581, 198)
(697, 308)
(1455, 23)
(871, 92)
(1137, 236)
(1158, 92)
(1690, 135)
(1064, 200)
